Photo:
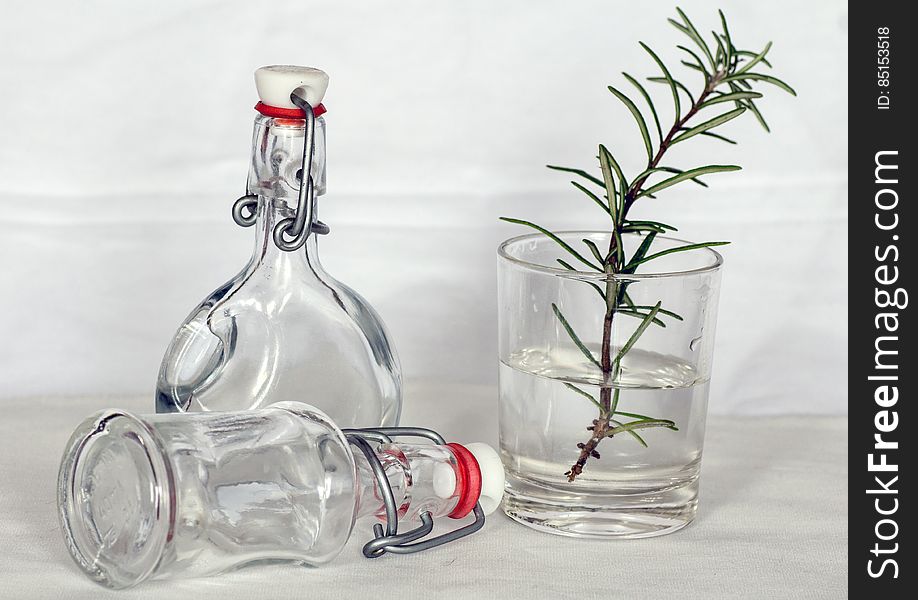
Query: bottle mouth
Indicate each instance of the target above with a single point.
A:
(115, 497)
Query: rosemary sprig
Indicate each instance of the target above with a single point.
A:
(728, 79)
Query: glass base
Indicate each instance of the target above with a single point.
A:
(115, 499)
(592, 513)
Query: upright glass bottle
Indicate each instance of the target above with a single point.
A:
(283, 328)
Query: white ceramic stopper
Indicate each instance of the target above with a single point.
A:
(492, 475)
(276, 82)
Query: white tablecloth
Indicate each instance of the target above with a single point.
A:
(772, 523)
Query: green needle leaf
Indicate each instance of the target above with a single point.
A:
(681, 249)
(645, 424)
(605, 165)
(732, 97)
(634, 434)
(689, 175)
(638, 314)
(728, 47)
(619, 246)
(596, 253)
(763, 60)
(586, 395)
(756, 59)
(570, 267)
(662, 311)
(642, 125)
(679, 85)
(626, 298)
(674, 170)
(637, 333)
(679, 26)
(554, 238)
(649, 172)
(616, 394)
(690, 31)
(647, 98)
(573, 336)
(640, 253)
(605, 155)
(593, 197)
(758, 115)
(667, 76)
(579, 172)
(710, 124)
(721, 51)
(717, 136)
(744, 77)
(642, 228)
(632, 415)
(697, 59)
(654, 223)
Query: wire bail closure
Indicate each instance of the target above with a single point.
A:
(389, 539)
(291, 233)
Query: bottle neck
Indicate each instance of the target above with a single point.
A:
(277, 158)
(274, 176)
(422, 477)
(266, 253)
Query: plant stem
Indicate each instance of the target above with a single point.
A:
(615, 290)
(600, 426)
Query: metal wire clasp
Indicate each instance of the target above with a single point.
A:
(390, 540)
(291, 233)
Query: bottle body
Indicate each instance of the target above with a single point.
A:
(283, 328)
(174, 495)
(190, 495)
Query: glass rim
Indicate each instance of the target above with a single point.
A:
(718, 259)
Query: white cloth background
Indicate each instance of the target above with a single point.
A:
(126, 130)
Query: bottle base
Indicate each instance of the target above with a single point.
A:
(115, 499)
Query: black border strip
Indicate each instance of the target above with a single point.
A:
(881, 367)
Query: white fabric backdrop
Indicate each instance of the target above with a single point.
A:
(126, 132)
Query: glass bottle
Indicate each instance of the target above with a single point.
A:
(183, 495)
(283, 328)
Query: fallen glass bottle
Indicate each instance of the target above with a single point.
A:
(183, 495)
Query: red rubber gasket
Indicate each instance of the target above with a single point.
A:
(287, 113)
(468, 481)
